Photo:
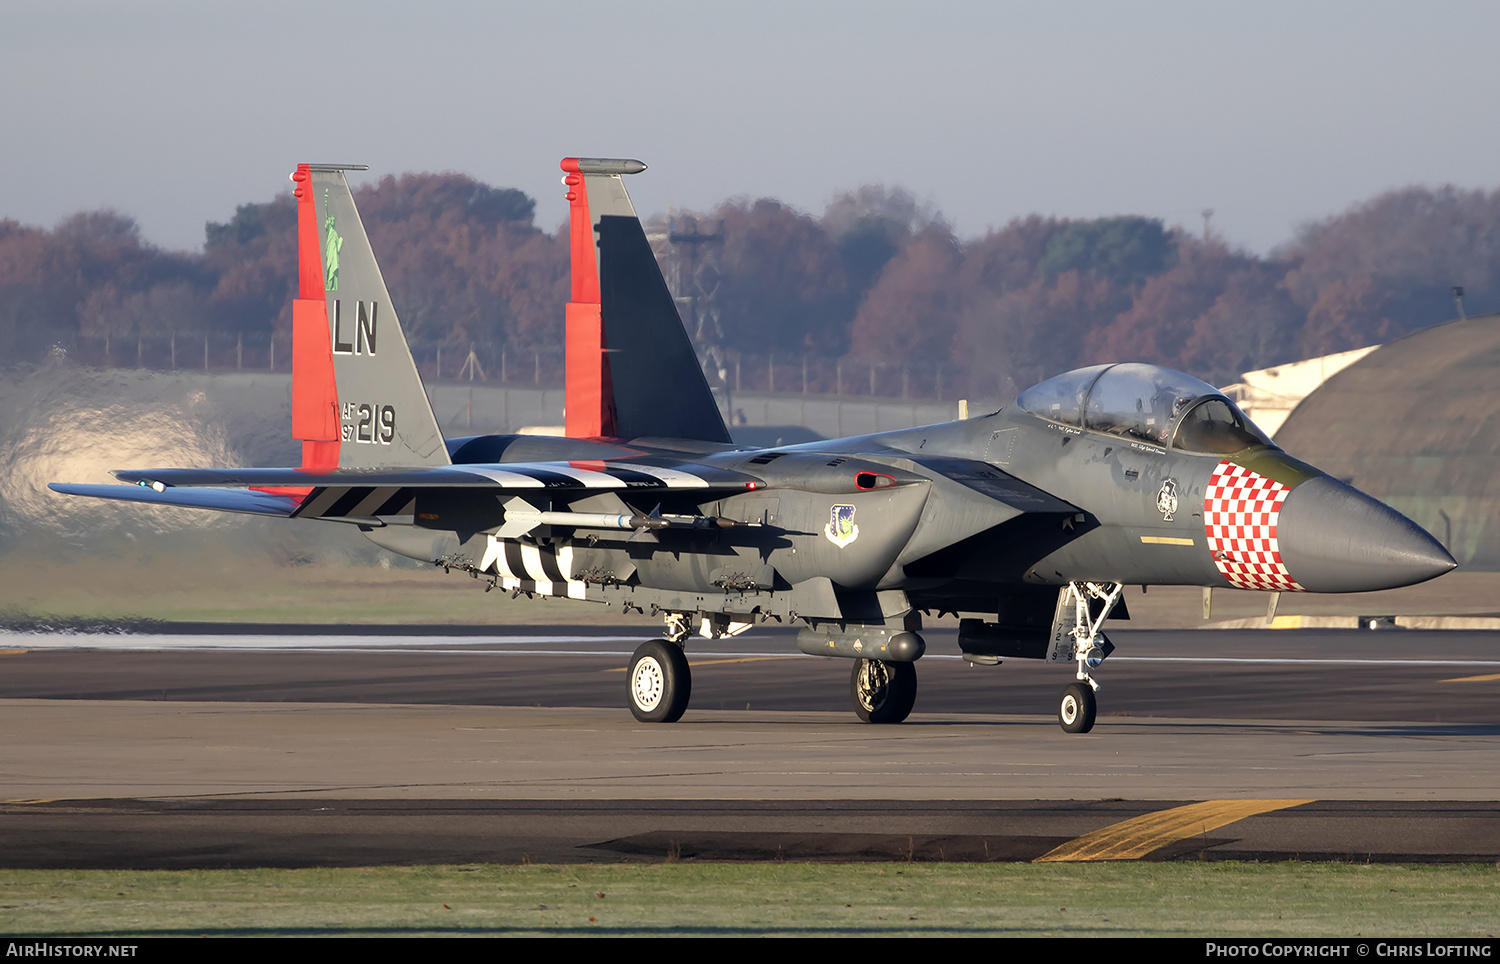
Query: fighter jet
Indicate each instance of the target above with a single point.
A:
(1025, 523)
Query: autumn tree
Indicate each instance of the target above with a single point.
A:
(1125, 250)
(1252, 324)
(254, 256)
(878, 277)
(1386, 267)
(37, 305)
(783, 286)
(912, 313)
(1043, 292)
(1017, 338)
(461, 259)
(1157, 325)
(441, 240)
(91, 275)
(870, 225)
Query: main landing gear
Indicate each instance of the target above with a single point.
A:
(882, 692)
(1086, 645)
(660, 682)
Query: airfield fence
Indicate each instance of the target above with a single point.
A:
(770, 373)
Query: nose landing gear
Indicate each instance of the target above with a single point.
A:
(1086, 605)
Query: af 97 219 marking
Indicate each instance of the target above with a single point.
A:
(370, 424)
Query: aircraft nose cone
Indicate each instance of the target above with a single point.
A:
(1334, 538)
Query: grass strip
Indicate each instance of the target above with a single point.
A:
(790, 899)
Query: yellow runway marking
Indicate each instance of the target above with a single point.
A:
(1472, 679)
(13, 652)
(1135, 838)
(710, 661)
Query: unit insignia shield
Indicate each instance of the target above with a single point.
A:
(841, 529)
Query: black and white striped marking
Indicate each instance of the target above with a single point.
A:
(359, 501)
(533, 569)
(368, 501)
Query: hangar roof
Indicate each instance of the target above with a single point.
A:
(1416, 423)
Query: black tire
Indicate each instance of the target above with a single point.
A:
(1077, 709)
(882, 692)
(659, 682)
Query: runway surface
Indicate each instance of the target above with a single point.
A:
(213, 750)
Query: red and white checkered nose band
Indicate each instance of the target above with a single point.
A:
(1240, 511)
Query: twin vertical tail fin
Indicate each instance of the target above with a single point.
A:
(357, 401)
(631, 368)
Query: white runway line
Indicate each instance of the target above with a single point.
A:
(558, 645)
(259, 643)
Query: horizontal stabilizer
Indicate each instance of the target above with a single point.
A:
(224, 500)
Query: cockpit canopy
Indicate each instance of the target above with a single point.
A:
(1147, 404)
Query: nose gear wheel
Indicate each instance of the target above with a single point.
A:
(1078, 708)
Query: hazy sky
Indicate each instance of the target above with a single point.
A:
(1270, 113)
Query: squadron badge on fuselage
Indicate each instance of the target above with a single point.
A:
(1166, 500)
(841, 529)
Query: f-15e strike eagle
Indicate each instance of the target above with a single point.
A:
(1027, 522)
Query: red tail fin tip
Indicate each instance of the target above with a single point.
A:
(586, 405)
(315, 402)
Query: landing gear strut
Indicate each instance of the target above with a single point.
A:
(1086, 645)
(660, 684)
(882, 692)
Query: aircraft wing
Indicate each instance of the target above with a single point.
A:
(224, 500)
(635, 474)
(346, 493)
